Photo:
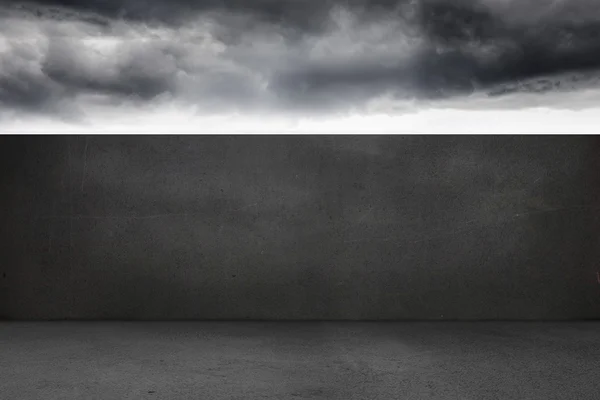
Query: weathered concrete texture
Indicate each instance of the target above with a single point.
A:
(300, 227)
(298, 360)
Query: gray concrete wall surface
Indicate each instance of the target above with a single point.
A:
(299, 227)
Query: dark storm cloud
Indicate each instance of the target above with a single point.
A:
(565, 37)
(302, 54)
(471, 46)
(302, 13)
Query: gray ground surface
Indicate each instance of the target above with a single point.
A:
(295, 360)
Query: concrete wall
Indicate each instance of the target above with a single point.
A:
(300, 227)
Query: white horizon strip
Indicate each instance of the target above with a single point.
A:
(171, 120)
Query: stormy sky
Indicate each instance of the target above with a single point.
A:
(313, 65)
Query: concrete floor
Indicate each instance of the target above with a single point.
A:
(295, 360)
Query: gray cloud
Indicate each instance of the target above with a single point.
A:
(301, 55)
(141, 72)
